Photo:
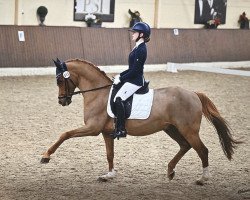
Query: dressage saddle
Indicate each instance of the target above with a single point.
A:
(127, 103)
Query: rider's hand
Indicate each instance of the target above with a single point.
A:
(116, 80)
(116, 76)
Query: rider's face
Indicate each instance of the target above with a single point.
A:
(134, 36)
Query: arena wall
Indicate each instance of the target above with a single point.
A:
(111, 46)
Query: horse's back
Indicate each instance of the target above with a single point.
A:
(177, 95)
(176, 103)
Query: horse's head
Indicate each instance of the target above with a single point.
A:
(64, 82)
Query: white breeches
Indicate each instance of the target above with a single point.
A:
(126, 91)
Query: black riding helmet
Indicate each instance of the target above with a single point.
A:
(144, 28)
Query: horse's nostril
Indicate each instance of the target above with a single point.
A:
(60, 101)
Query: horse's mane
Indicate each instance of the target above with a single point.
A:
(90, 64)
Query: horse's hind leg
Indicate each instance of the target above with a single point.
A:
(173, 132)
(196, 143)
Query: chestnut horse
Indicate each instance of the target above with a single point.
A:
(176, 111)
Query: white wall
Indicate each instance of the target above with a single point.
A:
(168, 14)
(234, 9)
(7, 12)
(60, 12)
(122, 17)
(176, 14)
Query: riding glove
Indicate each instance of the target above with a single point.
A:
(117, 80)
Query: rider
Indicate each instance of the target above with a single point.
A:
(132, 78)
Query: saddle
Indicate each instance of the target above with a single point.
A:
(128, 103)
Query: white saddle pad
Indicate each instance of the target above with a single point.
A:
(141, 106)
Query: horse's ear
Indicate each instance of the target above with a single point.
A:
(57, 64)
(58, 60)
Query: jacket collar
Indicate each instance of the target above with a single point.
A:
(139, 42)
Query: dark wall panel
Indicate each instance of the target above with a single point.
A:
(41, 45)
(202, 45)
(111, 46)
(104, 46)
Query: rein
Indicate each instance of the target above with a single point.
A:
(94, 89)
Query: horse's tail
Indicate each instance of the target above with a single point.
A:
(211, 113)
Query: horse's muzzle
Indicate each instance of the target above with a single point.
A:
(64, 101)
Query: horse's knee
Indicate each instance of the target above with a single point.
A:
(65, 136)
(94, 130)
(88, 130)
(185, 147)
(95, 133)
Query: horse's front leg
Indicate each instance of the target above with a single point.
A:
(109, 143)
(87, 130)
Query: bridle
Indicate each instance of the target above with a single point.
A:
(68, 95)
(63, 73)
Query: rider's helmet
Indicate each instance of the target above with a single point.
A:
(144, 28)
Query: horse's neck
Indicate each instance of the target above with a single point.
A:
(95, 103)
(90, 78)
(90, 83)
(91, 96)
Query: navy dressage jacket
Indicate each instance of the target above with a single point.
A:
(136, 60)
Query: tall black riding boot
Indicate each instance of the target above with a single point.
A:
(120, 130)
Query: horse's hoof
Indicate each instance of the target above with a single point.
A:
(171, 175)
(45, 160)
(199, 182)
(101, 179)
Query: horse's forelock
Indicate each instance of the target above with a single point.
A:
(60, 67)
(64, 67)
